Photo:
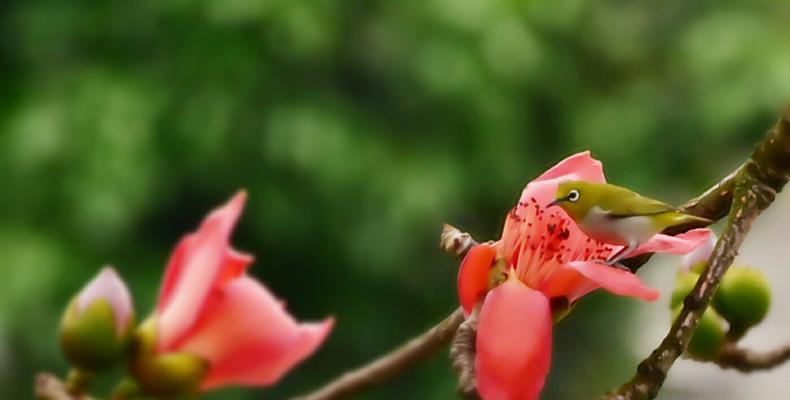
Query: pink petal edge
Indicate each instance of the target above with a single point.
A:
(473, 276)
(249, 338)
(581, 164)
(577, 278)
(195, 268)
(679, 244)
(513, 342)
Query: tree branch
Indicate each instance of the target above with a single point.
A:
(745, 360)
(462, 354)
(407, 355)
(713, 204)
(752, 188)
(49, 387)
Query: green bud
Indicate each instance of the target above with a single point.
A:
(167, 375)
(683, 285)
(709, 336)
(97, 326)
(743, 298)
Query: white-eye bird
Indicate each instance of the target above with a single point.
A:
(615, 215)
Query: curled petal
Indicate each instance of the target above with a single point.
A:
(194, 269)
(248, 337)
(577, 278)
(473, 275)
(679, 244)
(701, 253)
(513, 342)
(581, 165)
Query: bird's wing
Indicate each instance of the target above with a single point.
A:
(630, 204)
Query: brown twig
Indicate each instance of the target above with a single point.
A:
(745, 360)
(413, 352)
(462, 354)
(49, 387)
(391, 364)
(712, 204)
(751, 189)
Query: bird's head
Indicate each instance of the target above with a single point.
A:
(576, 198)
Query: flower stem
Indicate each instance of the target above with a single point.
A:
(126, 389)
(78, 381)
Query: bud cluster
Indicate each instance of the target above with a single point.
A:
(740, 303)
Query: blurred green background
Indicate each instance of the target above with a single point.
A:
(358, 128)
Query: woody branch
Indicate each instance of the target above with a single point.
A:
(744, 194)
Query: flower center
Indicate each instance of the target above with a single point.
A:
(546, 239)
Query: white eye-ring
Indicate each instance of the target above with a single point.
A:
(573, 195)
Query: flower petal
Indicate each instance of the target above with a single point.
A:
(513, 342)
(248, 337)
(700, 254)
(194, 269)
(577, 278)
(473, 275)
(679, 244)
(581, 165)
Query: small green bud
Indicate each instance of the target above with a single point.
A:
(743, 298)
(708, 338)
(683, 285)
(97, 326)
(167, 375)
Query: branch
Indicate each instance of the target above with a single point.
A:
(745, 360)
(462, 354)
(49, 387)
(407, 355)
(752, 188)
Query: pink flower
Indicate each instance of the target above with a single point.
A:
(209, 307)
(542, 256)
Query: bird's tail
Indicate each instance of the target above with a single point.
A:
(690, 220)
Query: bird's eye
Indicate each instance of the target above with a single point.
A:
(573, 195)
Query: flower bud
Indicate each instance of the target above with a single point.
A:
(743, 298)
(96, 327)
(708, 338)
(684, 283)
(167, 375)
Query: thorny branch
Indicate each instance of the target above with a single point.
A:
(749, 191)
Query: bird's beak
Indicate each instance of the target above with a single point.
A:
(554, 203)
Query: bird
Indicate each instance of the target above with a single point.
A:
(615, 215)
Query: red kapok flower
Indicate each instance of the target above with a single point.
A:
(209, 308)
(542, 256)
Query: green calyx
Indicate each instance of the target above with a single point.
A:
(89, 337)
(743, 298)
(167, 375)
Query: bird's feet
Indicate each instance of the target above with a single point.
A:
(619, 266)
